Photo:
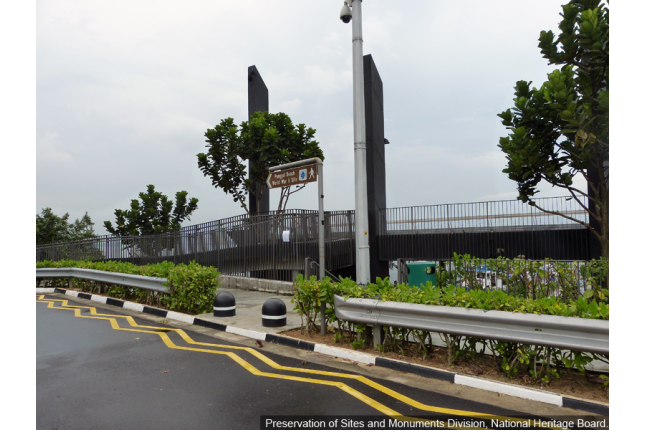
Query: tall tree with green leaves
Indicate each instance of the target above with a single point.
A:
(53, 228)
(266, 140)
(562, 129)
(152, 214)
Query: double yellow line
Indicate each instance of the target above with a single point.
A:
(253, 370)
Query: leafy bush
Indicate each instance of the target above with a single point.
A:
(192, 287)
(525, 278)
(510, 358)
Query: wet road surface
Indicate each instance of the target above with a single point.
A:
(119, 372)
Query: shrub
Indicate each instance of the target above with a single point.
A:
(510, 358)
(192, 287)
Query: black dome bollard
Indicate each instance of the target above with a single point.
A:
(274, 313)
(224, 305)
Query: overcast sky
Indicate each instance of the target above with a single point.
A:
(126, 90)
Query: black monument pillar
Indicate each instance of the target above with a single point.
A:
(258, 101)
(375, 142)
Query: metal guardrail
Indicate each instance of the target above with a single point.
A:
(128, 280)
(577, 334)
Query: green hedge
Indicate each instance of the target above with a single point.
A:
(511, 358)
(527, 278)
(192, 287)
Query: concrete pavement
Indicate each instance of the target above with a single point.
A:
(248, 312)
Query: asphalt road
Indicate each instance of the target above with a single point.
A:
(109, 373)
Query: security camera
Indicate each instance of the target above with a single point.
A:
(346, 13)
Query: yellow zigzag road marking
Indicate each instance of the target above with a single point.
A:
(169, 343)
(252, 369)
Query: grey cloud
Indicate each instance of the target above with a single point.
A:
(126, 91)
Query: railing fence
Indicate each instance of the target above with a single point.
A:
(485, 229)
(273, 246)
(255, 245)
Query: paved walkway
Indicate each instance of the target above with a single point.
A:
(248, 311)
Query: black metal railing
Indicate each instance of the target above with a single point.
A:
(507, 228)
(312, 268)
(267, 246)
(499, 215)
(254, 245)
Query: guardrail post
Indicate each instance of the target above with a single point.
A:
(377, 335)
(323, 322)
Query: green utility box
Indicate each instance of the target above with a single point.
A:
(420, 272)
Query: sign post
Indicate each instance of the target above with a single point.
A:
(300, 172)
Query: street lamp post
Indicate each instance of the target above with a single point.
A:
(360, 152)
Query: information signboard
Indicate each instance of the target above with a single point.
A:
(294, 176)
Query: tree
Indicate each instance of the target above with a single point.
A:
(56, 230)
(562, 129)
(153, 214)
(53, 228)
(266, 140)
(82, 229)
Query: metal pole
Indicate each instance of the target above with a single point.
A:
(321, 243)
(360, 153)
(321, 222)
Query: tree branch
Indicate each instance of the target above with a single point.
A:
(567, 217)
(239, 199)
(282, 194)
(581, 66)
(571, 189)
(575, 197)
(606, 145)
(289, 192)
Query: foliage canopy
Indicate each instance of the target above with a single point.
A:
(265, 140)
(153, 214)
(562, 129)
(53, 228)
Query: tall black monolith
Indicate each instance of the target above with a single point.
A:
(375, 143)
(258, 101)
